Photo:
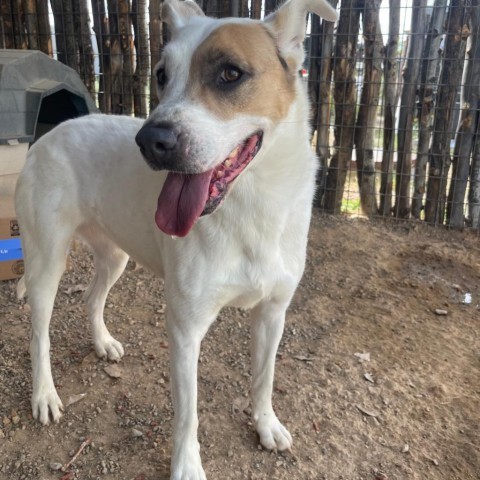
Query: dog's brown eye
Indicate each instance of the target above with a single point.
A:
(231, 74)
(161, 77)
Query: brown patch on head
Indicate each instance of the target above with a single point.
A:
(266, 87)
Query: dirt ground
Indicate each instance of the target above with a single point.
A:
(412, 411)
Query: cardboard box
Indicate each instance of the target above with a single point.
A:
(11, 255)
(12, 160)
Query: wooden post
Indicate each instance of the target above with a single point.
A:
(256, 9)
(115, 56)
(81, 20)
(407, 111)
(271, 6)
(467, 125)
(455, 44)
(100, 27)
(44, 30)
(18, 26)
(234, 8)
(367, 112)
(140, 78)
(244, 11)
(217, 8)
(30, 13)
(345, 104)
(390, 102)
(319, 85)
(6, 25)
(156, 46)
(474, 192)
(126, 44)
(428, 84)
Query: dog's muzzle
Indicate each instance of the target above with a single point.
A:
(162, 146)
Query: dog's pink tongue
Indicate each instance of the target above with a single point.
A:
(181, 201)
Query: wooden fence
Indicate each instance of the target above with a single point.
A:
(395, 91)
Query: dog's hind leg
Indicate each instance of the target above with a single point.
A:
(110, 262)
(268, 319)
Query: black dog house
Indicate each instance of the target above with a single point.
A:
(37, 93)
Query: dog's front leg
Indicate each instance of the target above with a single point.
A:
(186, 331)
(268, 319)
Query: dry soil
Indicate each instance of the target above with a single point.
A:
(410, 411)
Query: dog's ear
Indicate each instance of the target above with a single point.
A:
(175, 13)
(288, 24)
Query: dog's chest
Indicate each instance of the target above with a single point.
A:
(256, 273)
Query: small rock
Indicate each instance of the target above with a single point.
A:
(368, 376)
(74, 399)
(435, 462)
(440, 312)
(136, 433)
(370, 413)
(362, 357)
(55, 466)
(405, 448)
(113, 371)
(15, 419)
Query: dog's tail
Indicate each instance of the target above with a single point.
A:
(21, 288)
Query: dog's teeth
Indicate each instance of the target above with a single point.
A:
(220, 173)
(234, 153)
(228, 162)
(173, 237)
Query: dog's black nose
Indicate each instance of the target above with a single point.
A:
(158, 143)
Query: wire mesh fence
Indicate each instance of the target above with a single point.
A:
(395, 90)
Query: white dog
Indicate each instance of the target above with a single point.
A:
(221, 211)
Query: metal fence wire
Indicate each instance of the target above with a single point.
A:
(395, 90)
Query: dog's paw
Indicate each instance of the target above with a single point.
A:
(273, 435)
(108, 347)
(189, 473)
(188, 467)
(46, 405)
